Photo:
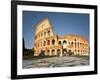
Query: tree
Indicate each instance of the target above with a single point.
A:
(33, 51)
(23, 45)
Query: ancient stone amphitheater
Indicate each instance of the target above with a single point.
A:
(48, 43)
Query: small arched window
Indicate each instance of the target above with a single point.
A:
(78, 44)
(53, 52)
(48, 42)
(53, 42)
(44, 43)
(60, 42)
(48, 50)
(75, 40)
(64, 42)
(48, 33)
(58, 50)
(44, 34)
(72, 43)
(75, 44)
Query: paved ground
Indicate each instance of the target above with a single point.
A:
(55, 62)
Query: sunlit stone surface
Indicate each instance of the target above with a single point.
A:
(51, 62)
(48, 42)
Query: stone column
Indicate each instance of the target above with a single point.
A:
(55, 51)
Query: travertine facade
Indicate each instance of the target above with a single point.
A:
(49, 43)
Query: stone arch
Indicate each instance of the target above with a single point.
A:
(58, 52)
(48, 42)
(48, 33)
(64, 52)
(74, 39)
(42, 53)
(53, 52)
(53, 42)
(41, 43)
(44, 34)
(78, 44)
(71, 43)
(70, 52)
(59, 42)
(44, 43)
(64, 42)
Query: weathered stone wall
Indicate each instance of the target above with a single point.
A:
(50, 44)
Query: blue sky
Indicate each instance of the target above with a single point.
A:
(63, 23)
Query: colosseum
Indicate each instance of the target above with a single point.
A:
(48, 42)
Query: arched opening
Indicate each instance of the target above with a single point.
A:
(60, 42)
(64, 52)
(42, 53)
(78, 44)
(53, 42)
(71, 43)
(44, 34)
(70, 52)
(48, 33)
(53, 52)
(74, 39)
(64, 42)
(41, 43)
(48, 42)
(44, 43)
(58, 52)
(75, 42)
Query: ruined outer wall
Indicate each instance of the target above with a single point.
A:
(51, 44)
